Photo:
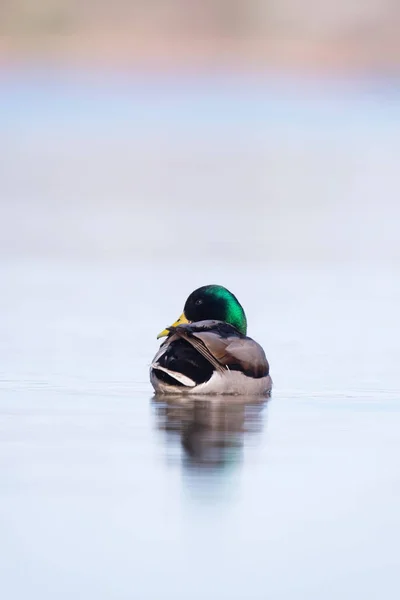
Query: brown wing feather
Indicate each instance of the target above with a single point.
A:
(235, 351)
(244, 352)
(201, 347)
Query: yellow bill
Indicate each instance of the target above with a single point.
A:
(182, 319)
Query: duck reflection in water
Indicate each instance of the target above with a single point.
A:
(212, 430)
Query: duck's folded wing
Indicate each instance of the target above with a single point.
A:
(243, 354)
(225, 348)
(184, 332)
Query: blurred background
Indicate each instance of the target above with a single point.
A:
(146, 149)
(273, 123)
(289, 33)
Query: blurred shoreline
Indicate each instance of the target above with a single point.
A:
(238, 35)
(111, 50)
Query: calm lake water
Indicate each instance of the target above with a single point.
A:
(118, 198)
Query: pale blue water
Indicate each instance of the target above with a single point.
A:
(117, 201)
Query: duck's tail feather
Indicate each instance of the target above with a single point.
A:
(182, 379)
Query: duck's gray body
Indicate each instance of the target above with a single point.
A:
(210, 357)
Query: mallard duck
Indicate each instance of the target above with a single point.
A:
(207, 350)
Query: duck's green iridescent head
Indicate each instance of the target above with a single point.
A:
(212, 302)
